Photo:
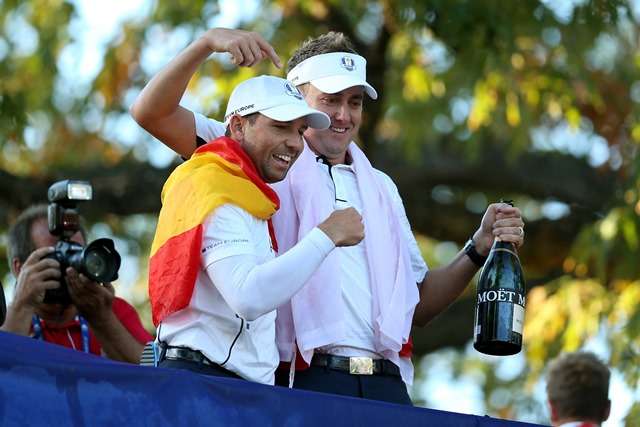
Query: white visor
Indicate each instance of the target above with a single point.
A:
(333, 72)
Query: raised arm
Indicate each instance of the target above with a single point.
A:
(157, 109)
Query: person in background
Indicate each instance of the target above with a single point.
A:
(578, 390)
(95, 322)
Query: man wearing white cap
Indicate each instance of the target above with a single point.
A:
(350, 322)
(214, 281)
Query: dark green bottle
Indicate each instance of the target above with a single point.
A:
(500, 303)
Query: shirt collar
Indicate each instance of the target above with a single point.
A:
(323, 161)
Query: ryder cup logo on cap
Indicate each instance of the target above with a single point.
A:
(333, 72)
(348, 63)
(275, 98)
(292, 90)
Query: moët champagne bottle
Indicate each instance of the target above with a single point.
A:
(500, 302)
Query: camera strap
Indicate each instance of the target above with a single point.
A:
(36, 322)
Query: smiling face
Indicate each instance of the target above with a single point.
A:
(344, 108)
(273, 146)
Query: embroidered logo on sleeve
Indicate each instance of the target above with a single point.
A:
(219, 243)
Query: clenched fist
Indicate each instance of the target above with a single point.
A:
(344, 227)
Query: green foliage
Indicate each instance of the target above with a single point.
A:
(455, 77)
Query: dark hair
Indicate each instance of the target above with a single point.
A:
(19, 244)
(578, 386)
(250, 117)
(326, 43)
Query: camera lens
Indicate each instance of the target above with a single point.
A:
(101, 261)
(95, 264)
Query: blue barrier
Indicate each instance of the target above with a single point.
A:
(45, 384)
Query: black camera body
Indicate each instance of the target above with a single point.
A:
(99, 260)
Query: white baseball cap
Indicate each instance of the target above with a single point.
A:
(274, 97)
(333, 72)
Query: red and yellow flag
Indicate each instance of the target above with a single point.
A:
(218, 173)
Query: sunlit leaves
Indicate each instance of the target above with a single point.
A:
(455, 75)
(635, 132)
(513, 109)
(179, 12)
(485, 101)
(417, 82)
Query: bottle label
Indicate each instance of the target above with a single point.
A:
(513, 298)
(501, 295)
(518, 318)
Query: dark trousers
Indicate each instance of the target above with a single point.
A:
(386, 388)
(199, 368)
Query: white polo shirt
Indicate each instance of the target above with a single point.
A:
(354, 266)
(232, 312)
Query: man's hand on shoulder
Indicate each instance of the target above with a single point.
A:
(247, 48)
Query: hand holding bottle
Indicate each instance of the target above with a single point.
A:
(501, 290)
(501, 221)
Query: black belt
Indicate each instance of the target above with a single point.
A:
(356, 365)
(183, 353)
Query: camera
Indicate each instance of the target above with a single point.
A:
(99, 260)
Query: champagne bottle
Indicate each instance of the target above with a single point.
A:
(500, 302)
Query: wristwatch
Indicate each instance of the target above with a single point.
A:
(470, 251)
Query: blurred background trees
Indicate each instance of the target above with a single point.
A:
(535, 101)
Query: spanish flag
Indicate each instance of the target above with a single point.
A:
(218, 173)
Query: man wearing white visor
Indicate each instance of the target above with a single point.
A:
(333, 72)
(214, 281)
(349, 326)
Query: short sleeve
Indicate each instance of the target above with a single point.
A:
(418, 266)
(208, 129)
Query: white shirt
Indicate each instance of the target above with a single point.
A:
(231, 315)
(341, 180)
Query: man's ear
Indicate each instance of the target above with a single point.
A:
(236, 128)
(16, 266)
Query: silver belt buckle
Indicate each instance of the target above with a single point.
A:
(361, 365)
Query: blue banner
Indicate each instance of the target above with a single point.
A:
(46, 384)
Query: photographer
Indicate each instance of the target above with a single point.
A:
(96, 321)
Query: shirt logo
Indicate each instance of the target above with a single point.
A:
(348, 63)
(239, 111)
(291, 90)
